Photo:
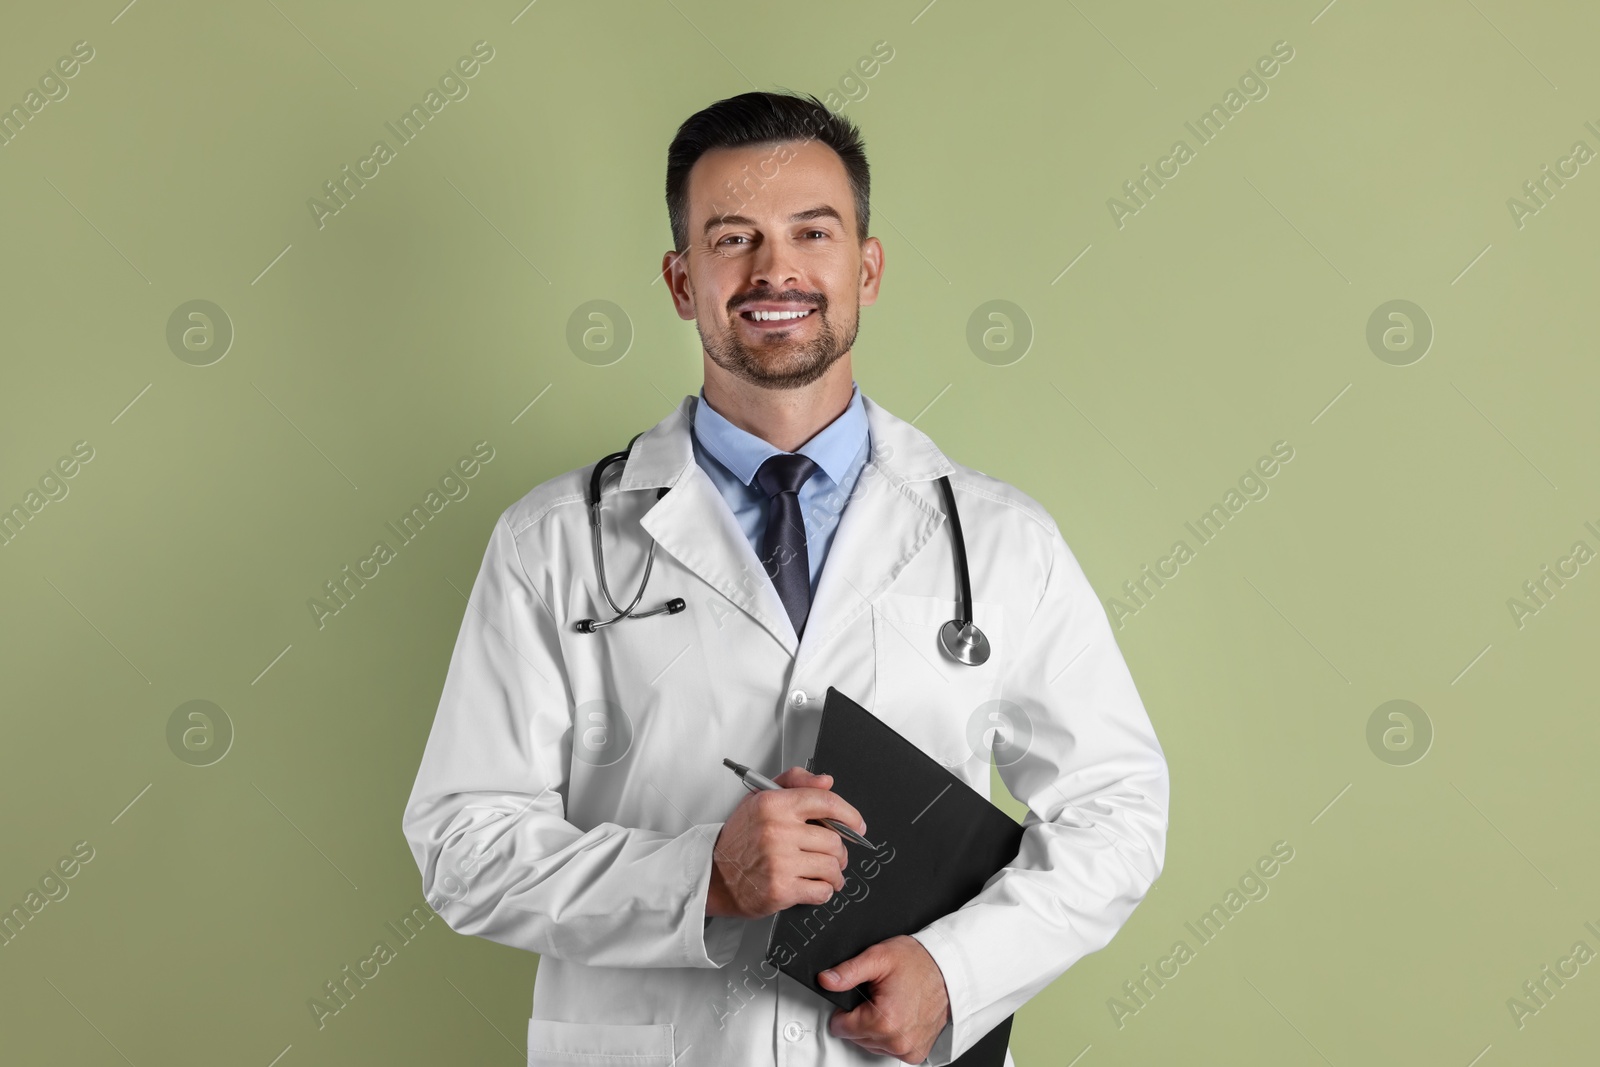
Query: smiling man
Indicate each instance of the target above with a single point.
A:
(571, 799)
(776, 298)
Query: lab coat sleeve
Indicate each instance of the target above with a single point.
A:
(486, 817)
(1095, 781)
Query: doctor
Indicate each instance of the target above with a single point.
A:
(571, 799)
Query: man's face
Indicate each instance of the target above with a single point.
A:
(773, 274)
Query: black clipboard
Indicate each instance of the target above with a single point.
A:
(939, 841)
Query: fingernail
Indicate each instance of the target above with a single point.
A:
(831, 975)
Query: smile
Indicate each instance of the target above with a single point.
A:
(775, 317)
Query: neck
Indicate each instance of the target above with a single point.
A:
(784, 418)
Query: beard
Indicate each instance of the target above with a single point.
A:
(781, 363)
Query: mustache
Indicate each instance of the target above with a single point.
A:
(788, 296)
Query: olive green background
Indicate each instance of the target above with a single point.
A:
(1229, 313)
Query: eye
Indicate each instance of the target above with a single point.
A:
(733, 237)
(819, 233)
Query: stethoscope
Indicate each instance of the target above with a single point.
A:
(960, 638)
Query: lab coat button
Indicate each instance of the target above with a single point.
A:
(798, 698)
(793, 1031)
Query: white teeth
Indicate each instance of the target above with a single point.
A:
(775, 316)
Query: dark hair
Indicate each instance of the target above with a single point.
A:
(760, 119)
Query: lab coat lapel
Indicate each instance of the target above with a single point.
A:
(694, 524)
(886, 522)
(883, 526)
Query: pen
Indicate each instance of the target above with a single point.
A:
(757, 782)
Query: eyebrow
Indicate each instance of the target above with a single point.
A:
(823, 212)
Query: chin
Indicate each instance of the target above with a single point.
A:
(781, 362)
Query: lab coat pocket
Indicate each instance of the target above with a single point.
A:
(933, 701)
(599, 1044)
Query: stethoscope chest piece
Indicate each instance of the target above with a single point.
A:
(964, 642)
(960, 638)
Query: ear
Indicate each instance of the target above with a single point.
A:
(675, 270)
(871, 270)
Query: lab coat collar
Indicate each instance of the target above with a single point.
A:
(882, 528)
(833, 448)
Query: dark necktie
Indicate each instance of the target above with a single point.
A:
(783, 546)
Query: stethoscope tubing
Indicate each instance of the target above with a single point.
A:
(596, 538)
(960, 638)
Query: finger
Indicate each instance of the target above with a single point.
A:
(840, 853)
(825, 804)
(824, 840)
(818, 867)
(865, 967)
(869, 1027)
(862, 1026)
(799, 778)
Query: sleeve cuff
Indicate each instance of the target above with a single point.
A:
(716, 940)
(939, 1055)
(957, 989)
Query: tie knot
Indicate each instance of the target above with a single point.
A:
(785, 472)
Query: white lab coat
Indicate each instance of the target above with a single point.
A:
(572, 786)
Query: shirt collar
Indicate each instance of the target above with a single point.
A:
(833, 448)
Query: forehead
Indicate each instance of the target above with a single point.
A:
(768, 182)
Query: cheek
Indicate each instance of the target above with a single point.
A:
(843, 287)
(712, 287)
(712, 316)
(712, 297)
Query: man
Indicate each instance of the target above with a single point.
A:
(571, 800)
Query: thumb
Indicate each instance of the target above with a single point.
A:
(866, 967)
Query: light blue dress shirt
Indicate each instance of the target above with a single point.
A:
(731, 456)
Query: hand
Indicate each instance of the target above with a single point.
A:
(908, 1004)
(768, 857)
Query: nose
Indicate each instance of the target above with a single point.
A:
(775, 267)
